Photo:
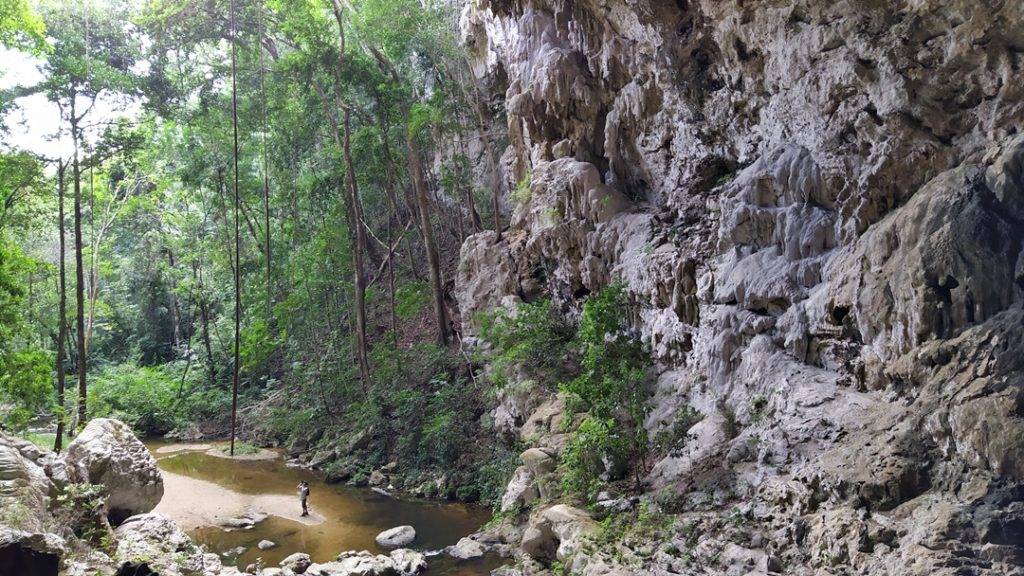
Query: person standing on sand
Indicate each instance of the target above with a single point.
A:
(304, 496)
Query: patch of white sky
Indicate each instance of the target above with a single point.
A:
(34, 123)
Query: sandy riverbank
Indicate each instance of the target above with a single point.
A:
(194, 503)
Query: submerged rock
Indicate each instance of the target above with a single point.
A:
(107, 452)
(395, 537)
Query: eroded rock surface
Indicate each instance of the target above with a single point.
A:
(107, 452)
(817, 210)
(401, 562)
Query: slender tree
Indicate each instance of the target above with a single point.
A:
(433, 260)
(81, 359)
(238, 251)
(355, 211)
(266, 171)
(62, 326)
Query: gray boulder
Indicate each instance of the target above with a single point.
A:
(466, 549)
(297, 562)
(396, 537)
(107, 452)
(402, 562)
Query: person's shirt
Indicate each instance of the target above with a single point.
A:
(303, 492)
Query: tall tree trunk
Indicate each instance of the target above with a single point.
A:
(238, 264)
(175, 310)
(94, 272)
(356, 210)
(391, 286)
(360, 272)
(79, 275)
(204, 317)
(62, 325)
(266, 175)
(433, 260)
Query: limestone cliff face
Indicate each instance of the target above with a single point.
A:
(818, 211)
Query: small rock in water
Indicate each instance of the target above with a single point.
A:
(234, 551)
(381, 491)
(257, 516)
(395, 537)
(265, 545)
(466, 549)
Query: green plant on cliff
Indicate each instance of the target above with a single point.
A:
(610, 389)
(531, 339)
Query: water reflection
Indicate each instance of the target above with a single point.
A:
(352, 517)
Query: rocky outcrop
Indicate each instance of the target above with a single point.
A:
(816, 210)
(50, 524)
(297, 563)
(401, 562)
(106, 452)
(557, 533)
(154, 542)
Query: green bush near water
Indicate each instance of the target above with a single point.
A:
(153, 400)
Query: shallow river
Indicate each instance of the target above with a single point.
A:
(345, 518)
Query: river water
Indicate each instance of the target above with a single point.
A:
(345, 518)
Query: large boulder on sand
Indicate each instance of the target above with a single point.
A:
(108, 453)
(396, 537)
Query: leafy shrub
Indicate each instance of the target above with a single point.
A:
(531, 338)
(25, 387)
(25, 369)
(143, 397)
(522, 193)
(494, 475)
(596, 441)
(411, 299)
(673, 437)
(609, 388)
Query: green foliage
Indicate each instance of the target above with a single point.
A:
(522, 193)
(596, 441)
(411, 299)
(494, 473)
(143, 397)
(25, 368)
(672, 437)
(759, 409)
(80, 511)
(532, 338)
(610, 389)
(241, 448)
(20, 26)
(613, 364)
